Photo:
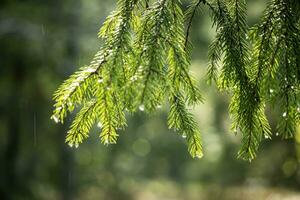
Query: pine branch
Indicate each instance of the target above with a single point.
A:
(76, 89)
(82, 124)
(145, 60)
(190, 14)
(183, 121)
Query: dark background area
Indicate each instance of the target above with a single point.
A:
(41, 44)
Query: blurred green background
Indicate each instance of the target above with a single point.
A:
(41, 44)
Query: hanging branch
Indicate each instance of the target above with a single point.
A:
(145, 60)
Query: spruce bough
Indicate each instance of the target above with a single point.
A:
(144, 63)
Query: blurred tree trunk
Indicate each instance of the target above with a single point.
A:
(67, 180)
(11, 183)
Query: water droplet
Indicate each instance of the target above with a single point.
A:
(106, 142)
(277, 134)
(76, 145)
(55, 118)
(134, 78)
(140, 69)
(141, 107)
(267, 137)
(199, 155)
(298, 109)
(159, 106)
(284, 114)
(271, 90)
(183, 135)
(70, 144)
(100, 125)
(100, 80)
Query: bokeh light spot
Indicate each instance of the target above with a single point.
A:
(141, 147)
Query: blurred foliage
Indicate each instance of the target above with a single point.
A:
(42, 42)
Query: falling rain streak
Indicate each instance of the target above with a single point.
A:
(34, 130)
